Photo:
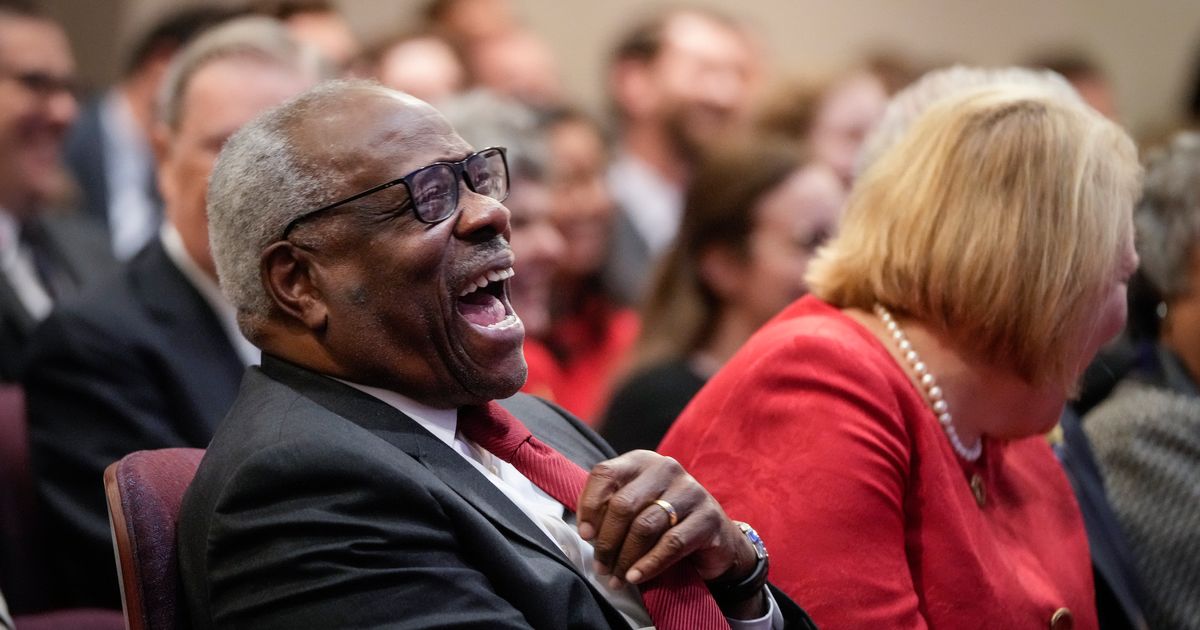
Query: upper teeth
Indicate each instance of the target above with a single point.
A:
(484, 279)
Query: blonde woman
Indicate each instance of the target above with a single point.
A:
(884, 433)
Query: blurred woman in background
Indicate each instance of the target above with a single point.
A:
(754, 214)
(887, 430)
(1146, 435)
(591, 331)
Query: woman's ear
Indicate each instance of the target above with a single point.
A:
(288, 274)
(723, 271)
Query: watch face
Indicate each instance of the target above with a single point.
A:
(760, 548)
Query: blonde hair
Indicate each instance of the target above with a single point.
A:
(996, 220)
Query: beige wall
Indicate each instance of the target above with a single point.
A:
(1148, 47)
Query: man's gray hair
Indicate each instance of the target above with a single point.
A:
(908, 105)
(255, 37)
(260, 183)
(484, 119)
(1168, 215)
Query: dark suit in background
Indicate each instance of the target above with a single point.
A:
(1118, 590)
(79, 249)
(138, 362)
(86, 154)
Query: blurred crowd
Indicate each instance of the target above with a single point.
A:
(650, 243)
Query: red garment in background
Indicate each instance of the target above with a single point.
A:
(592, 346)
(814, 435)
(545, 377)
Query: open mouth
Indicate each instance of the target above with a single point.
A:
(483, 301)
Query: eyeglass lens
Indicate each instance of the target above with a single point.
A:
(435, 188)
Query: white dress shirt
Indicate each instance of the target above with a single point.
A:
(546, 512)
(16, 264)
(5, 619)
(172, 242)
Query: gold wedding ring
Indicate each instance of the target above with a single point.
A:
(669, 509)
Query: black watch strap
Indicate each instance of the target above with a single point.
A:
(732, 591)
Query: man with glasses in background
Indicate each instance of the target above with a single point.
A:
(152, 357)
(373, 471)
(43, 259)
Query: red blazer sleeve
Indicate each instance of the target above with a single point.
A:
(804, 438)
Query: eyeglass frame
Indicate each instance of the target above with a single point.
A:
(459, 168)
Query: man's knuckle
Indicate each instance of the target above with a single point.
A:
(622, 506)
(644, 525)
(671, 465)
(673, 542)
(604, 470)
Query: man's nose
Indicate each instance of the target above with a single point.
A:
(62, 108)
(550, 241)
(481, 217)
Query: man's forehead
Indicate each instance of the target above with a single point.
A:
(696, 34)
(28, 40)
(377, 134)
(365, 118)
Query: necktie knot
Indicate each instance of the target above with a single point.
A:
(493, 428)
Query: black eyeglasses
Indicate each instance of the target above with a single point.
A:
(433, 189)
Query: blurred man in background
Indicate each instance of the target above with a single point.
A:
(108, 150)
(152, 358)
(678, 81)
(318, 23)
(42, 259)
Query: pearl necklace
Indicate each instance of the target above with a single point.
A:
(933, 393)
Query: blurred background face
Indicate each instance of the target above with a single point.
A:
(517, 64)
(328, 32)
(537, 245)
(425, 67)
(470, 21)
(35, 110)
(221, 97)
(846, 115)
(791, 222)
(582, 208)
(706, 75)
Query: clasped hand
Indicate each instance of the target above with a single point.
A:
(632, 535)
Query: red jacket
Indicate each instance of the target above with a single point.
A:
(814, 435)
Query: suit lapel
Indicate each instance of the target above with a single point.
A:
(12, 311)
(406, 434)
(188, 323)
(16, 324)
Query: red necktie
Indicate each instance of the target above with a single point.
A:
(677, 599)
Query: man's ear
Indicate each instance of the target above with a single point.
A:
(160, 144)
(287, 273)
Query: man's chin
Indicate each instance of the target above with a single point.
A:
(500, 383)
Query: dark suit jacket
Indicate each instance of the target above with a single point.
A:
(1118, 591)
(84, 155)
(630, 265)
(318, 506)
(139, 362)
(80, 248)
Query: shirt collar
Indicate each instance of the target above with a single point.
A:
(172, 243)
(442, 423)
(9, 232)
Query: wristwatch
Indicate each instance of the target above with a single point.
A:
(731, 591)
